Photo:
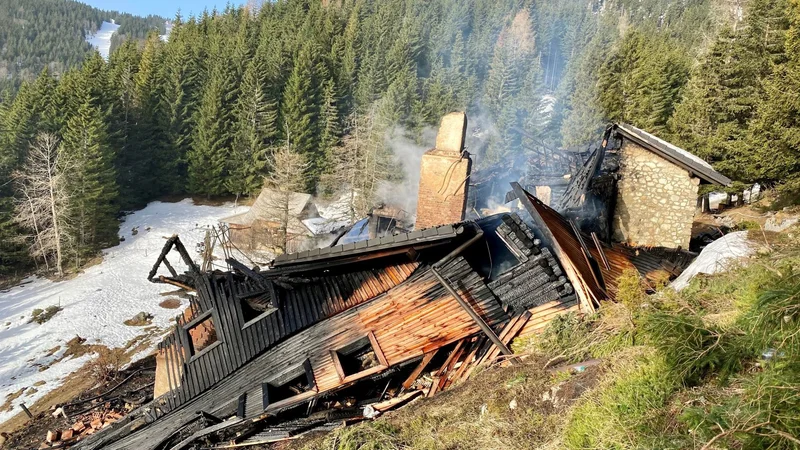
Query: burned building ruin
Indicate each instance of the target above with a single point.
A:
(331, 335)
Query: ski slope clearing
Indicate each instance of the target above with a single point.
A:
(102, 39)
(96, 302)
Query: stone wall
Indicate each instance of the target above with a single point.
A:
(656, 200)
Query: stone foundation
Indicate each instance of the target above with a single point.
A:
(656, 200)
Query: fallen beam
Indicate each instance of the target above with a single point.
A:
(472, 313)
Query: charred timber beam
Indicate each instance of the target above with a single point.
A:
(236, 265)
(457, 251)
(472, 313)
(172, 241)
(601, 251)
(308, 266)
(170, 268)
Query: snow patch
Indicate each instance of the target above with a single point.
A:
(168, 27)
(96, 302)
(716, 257)
(102, 39)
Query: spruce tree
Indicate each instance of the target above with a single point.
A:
(775, 133)
(255, 122)
(92, 178)
(300, 112)
(123, 66)
(211, 137)
(177, 100)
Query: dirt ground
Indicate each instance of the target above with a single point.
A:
(27, 433)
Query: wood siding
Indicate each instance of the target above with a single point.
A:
(239, 342)
(407, 321)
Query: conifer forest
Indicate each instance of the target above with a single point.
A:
(202, 112)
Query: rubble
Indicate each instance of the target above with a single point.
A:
(82, 426)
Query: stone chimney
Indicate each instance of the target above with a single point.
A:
(444, 175)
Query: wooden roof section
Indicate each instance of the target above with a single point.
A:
(398, 243)
(671, 153)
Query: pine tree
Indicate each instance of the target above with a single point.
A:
(123, 67)
(775, 132)
(331, 128)
(255, 120)
(512, 59)
(145, 166)
(211, 138)
(177, 100)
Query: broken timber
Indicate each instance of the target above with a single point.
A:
(271, 347)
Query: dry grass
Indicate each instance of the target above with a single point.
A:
(9, 402)
(170, 303)
(90, 375)
(473, 415)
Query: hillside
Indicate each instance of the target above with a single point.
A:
(52, 33)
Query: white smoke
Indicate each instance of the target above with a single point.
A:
(407, 158)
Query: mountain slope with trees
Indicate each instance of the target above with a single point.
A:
(38, 34)
(204, 113)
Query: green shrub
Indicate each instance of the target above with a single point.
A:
(693, 349)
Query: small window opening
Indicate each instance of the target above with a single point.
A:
(255, 307)
(296, 382)
(358, 356)
(202, 335)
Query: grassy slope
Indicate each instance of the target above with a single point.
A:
(681, 370)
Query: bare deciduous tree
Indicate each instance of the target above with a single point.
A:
(287, 177)
(42, 202)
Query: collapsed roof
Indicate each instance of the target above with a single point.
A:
(279, 349)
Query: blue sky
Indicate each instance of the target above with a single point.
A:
(166, 8)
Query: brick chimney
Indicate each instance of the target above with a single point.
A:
(444, 175)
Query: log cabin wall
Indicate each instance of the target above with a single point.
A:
(410, 319)
(239, 341)
(537, 279)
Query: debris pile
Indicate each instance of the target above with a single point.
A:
(86, 425)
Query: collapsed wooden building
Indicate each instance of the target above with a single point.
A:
(336, 334)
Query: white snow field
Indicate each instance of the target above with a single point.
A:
(97, 301)
(101, 40)
(716, 257)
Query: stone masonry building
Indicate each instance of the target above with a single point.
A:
(657, 190)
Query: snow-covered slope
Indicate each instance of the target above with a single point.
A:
(102, 39)
(95, 302)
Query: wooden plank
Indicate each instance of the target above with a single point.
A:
(509, 333)
(468, 361)
(228, 309)
(453, 354)
(448, 370)
(426, 358)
